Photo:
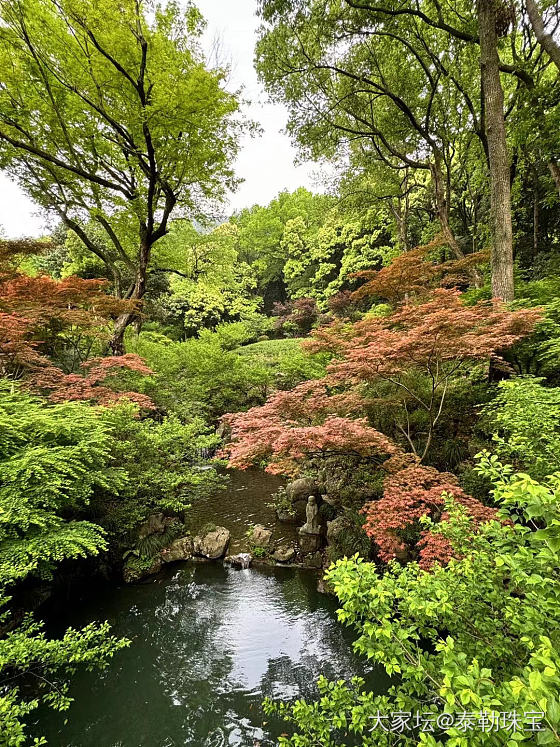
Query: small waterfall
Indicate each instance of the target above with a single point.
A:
(241, 560)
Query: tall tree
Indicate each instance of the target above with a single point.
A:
(544, 36)
(498, 156)
(370, 88)
(400, 81)
(109, 116)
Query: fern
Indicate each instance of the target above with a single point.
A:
(153, 544)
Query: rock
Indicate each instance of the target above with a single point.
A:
(286, 517)
(260, 536)
(212, 545)
(334, 528)
(136, 569)
(346, 536)
(241, 560)
(283, 554)
(312, 525)
(309, 543)
(180, 549)
(301, 489)
(223, 431)
(154, 524)
(314, 560)
(330, 500)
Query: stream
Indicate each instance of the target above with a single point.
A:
(209, 642)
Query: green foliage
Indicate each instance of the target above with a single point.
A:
(524, 419)
(258, 552)
(212, 284)
(219, 372)
(52, 460)
(480, 634)
(150, 546)
(200, 377)
(319, 264)
(282, 503)
(286, 361)
(237, 334)
(261, 231)
(114, 168)
(162, 461)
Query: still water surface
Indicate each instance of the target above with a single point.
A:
(209, 642)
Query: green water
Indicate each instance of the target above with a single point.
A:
(247, 500)
(209, 642)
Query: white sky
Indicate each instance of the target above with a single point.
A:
(266, 163)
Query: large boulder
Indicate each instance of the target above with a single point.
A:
(301, 489)
(136, 569)
(180, 549)
(287, 517)
(260, 536)
(241, 560)
(154, 524)
(335, 528)
(212, 544)
(283, 554)
(346, 536)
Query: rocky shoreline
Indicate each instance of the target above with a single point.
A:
(303, 503)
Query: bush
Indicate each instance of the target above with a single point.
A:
(52, 461)
(525, 421)
(479, 635)
(200, 377)
(285, 360)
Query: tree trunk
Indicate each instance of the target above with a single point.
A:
(136, 295)
(555, 172)
(536, 214)
(442, 206)
(546, 41)
(400, 215)
(500, 189)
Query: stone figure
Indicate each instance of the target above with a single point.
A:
(311, 526)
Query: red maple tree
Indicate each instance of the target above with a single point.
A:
(415, 274)
(49, 329)
(290, 426)
(418, 351)
(410, 493)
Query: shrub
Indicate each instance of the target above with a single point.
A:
(479, 635)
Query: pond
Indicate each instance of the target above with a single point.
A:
(208, 644)
(247, 500)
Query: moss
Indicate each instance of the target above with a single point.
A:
(206, 529)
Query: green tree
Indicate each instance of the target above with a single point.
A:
(417, 86)
(110, 117)
(261, 229)
(208, 283)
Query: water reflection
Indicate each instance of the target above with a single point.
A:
(209, 643)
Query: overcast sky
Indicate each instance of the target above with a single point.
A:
(265, 163)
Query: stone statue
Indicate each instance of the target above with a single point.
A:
(311, 526)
